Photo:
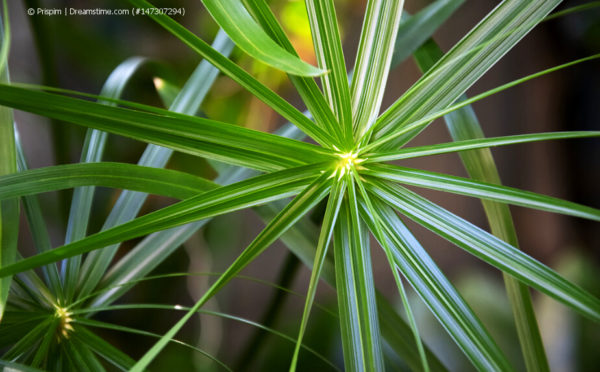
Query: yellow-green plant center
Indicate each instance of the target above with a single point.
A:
(348, 160)
(64, 326)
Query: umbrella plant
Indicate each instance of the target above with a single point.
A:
(349, 164)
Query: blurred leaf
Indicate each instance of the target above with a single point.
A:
(9, 209)
(233, 17)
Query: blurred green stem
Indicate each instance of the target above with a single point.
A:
(286, 277)
(60, 134)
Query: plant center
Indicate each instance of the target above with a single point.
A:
(64, 327)
(348, 160)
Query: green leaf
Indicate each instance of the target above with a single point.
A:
(84, 357)
(156, 181)
(329, 219)
(233, 17)
(95, 323)
(356, 290)
(482, 190)
(420, 124)
(10, 366)
(188, 101)
(440, 295)
(41, 354)
(5, 36)
(574, 9)
(239, 75)
(115, 327)
(189, 134)
(28, 340)
(103, 348)
(490, 249)
(328, 49)
(306, 87)
(462, 66)
(140, 261)
(255, 191)
(38, 229)
(93, 149)
(463, 125)
(394, 330)
(9, 209)
(375, 225)
(301, 239)
(78, 357)
(472, 144)
(297, 208)
(415, 30)
(377, 39)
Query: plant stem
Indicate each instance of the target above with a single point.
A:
(286, 277)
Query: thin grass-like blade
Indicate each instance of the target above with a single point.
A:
(27, 341)
(83, 356)
(328, 49)
(239, 75)
(371, 217)
(462, 66)
(142, 260)
(255, 191)
(40, 356)
(473, 144)
(9, 209)
(18, 367)
(182, 132)
(93, 149)
(356, 290)
(156, 181)
(307, 87)
(95, 323)
(297, 208)
(79, 359)
(414, 127)
(302, 240)
(99, 324)
(394, 330)
(329, 219)
(482, 190)
(111, 354)
(490, 249)
(128, 205)
(439, 294)
(415, 30)
(377, 39)
(38, 229)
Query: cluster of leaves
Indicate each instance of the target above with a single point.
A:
(47, 318)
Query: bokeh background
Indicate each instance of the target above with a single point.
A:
(79, 52)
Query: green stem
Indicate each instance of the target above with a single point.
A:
(285, 279)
